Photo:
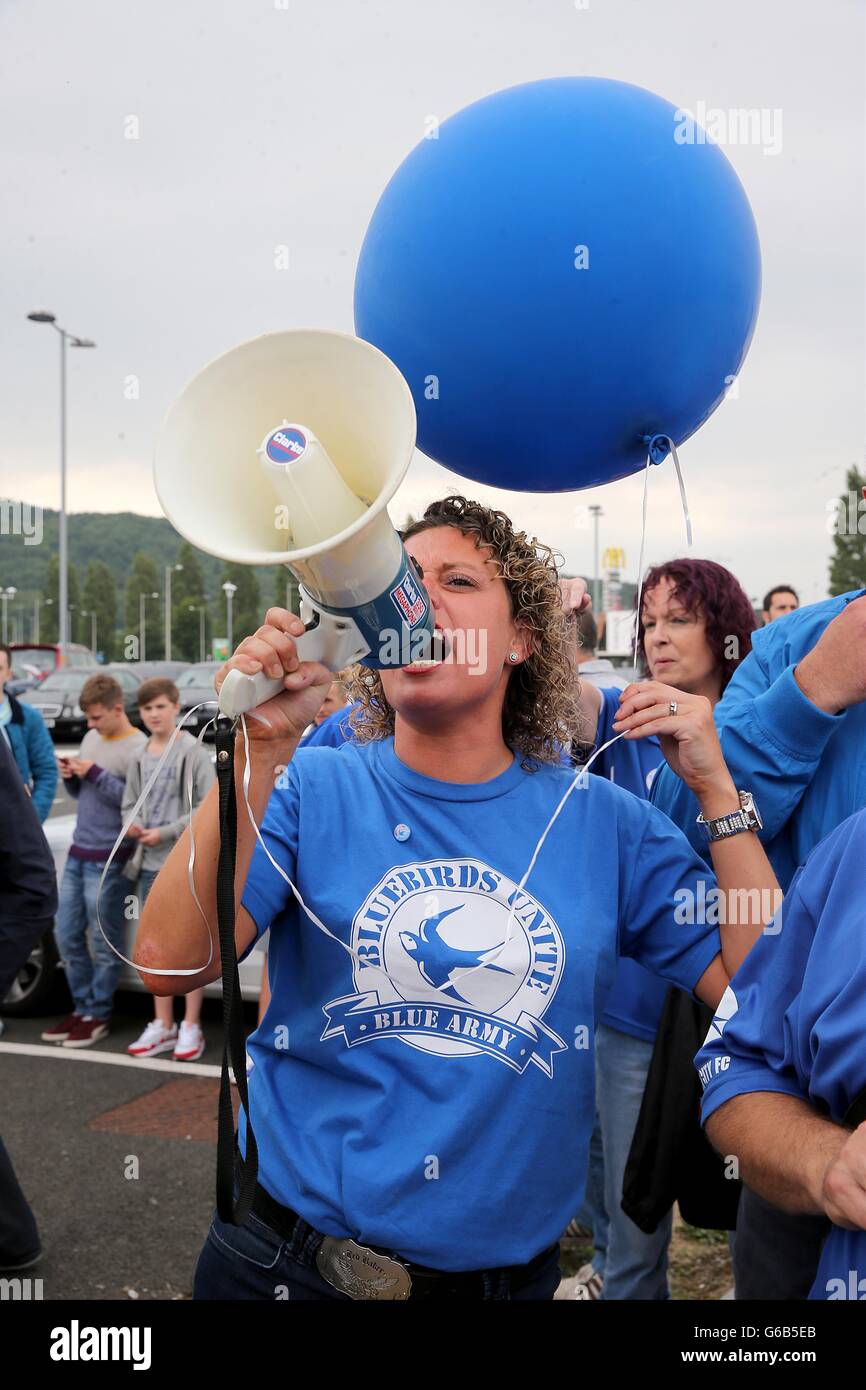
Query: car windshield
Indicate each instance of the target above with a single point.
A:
(64, 682)
(198, 675)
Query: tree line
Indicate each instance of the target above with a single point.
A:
(117, 613)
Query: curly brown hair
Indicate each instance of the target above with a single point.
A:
(540, 710)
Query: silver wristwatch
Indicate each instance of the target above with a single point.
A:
(747, 818)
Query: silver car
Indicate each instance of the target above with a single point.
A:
(39, 981)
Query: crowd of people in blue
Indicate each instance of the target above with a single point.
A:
(468, 970)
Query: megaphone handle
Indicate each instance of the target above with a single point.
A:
(334, 640)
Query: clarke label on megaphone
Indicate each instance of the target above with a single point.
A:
(284, 445)
(286, 451)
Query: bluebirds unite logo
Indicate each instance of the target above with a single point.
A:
(433, 969)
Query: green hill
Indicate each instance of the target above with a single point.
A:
(117, 539)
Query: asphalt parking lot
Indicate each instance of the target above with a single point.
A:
(116, 1156)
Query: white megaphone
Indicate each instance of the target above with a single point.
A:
(286, 451)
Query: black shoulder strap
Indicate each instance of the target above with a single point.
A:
(234, 1038)
(856, 1111)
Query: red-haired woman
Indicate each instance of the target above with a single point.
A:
(694, 629)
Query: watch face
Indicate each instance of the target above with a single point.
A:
(750, 810)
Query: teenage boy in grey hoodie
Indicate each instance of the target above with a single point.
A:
(159, 823)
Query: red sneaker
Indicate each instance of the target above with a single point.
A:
(59, 1032)
(87, 1032)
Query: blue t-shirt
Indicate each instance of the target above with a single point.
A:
(794, 1017)
(435, 1096)
(637, 998)
(332, 732)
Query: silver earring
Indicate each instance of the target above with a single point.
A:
(512, 656)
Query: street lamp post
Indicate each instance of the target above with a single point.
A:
(168, 573)
(229, 589)
(142, 598)
(200, 609)
(42, 316)
(69, 620)
(92, 616)
(6, 594)
(596, 597)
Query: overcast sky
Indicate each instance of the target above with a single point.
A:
(268, 122)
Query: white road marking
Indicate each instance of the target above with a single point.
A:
(111, 1059)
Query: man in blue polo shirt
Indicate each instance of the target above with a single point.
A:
(784, 1068)
(792, 725)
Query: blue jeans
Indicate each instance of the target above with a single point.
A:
(254, 1262)
(593, 1213)
(634, 1264)
(146, 880)
(91, 969)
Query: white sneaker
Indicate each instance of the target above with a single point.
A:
(155, 1038)
(588, 1284)
(190, 1043)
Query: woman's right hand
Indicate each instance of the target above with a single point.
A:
(272, 650)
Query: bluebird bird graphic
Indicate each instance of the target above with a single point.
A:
(436, 960)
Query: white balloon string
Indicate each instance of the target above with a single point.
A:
(317, 921)
(686, 517)
(130, 820)
(579, 779)
(683, 499)
(640, 565)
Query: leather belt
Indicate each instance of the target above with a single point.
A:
(346, 1265)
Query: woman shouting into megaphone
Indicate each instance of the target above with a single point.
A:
(422, 1087)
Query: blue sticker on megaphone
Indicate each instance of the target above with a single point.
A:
(285, 445)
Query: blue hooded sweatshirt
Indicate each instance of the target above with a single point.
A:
(33, 751)
(806, 769)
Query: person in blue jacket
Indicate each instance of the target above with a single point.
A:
(792, 725)
(445, 924)
(24, 730)
(784, 1065)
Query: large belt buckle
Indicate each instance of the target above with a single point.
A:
(361, 1273)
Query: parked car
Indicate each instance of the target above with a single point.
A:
(23, 678)
(196, 687)
(144, 670)
(56, 698)
(39, 984)
(46, 657)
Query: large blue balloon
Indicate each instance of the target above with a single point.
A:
(527, 371)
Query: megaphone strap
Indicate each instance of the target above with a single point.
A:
(234, 1032)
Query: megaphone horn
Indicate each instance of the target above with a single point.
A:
(286, 451)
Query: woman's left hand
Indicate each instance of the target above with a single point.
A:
(688, 737)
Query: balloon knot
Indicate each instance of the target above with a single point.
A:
(658, 447)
